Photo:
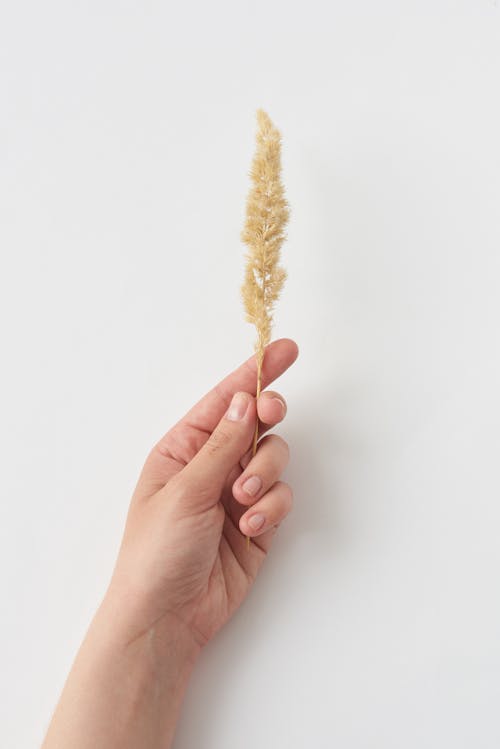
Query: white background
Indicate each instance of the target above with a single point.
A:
(126, 135)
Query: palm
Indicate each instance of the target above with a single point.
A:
(222, 566)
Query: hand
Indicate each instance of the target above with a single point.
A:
(183, 565)
(184, 554)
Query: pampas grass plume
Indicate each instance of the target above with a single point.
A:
(267, 213)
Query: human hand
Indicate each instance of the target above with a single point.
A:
(183, 566)
(184, 554)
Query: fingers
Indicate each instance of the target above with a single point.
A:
(271, 409)
(185, 438)
(268, 511)
(279, 356)
(262, 471)
(201, 481)
(258, 487)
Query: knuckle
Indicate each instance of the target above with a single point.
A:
(219, 439)
(277, 443)
(270, 395)
(272, 440)
(275, 394)
(264, 441)
(285, 446)
(185, 486)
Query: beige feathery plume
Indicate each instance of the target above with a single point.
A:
(266, 216)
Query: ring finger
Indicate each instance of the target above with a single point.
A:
(268, 511)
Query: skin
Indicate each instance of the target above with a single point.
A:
(183, 567)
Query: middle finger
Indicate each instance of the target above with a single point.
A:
(263, 470)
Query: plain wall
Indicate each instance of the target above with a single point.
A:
(126, 136)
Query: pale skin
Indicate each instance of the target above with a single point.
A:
(183, 566)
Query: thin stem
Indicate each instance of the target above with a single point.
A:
(260, 360)
(259, 386)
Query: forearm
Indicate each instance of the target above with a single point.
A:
(123, 692)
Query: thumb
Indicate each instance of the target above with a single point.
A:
(201, 481)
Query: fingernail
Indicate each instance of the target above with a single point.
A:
(252, 485)
(283, 408)
(238, 407)
(256, 521)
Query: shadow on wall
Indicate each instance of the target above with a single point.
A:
(324, 452)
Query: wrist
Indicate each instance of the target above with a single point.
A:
(123, 621)
(157, 660)
(127, 684)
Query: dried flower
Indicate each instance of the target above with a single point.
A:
(266, 216)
